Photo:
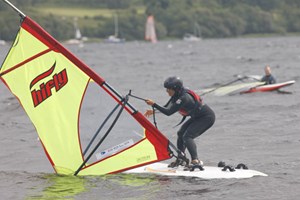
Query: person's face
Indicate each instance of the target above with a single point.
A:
(170, 92)
(268, 70)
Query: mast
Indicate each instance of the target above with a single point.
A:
(116, 25)
(21, 14)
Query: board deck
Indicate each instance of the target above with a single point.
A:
(270, 87)
(243, 88)
(209, 172)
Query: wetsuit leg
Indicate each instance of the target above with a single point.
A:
(180, 143)
(195, 129)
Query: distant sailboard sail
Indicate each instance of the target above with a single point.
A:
(150, 33)
(230, 89)
(54, 87)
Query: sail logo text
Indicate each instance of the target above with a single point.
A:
(58, 81)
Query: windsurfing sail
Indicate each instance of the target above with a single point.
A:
(115, 38)
(2, 42)
(68, 102)
(150, 33)
(78, 35)
(230, 89)
(193, 37)
(78, 38)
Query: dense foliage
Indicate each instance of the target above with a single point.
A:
(174, 18)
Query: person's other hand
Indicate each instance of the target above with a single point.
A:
(148, 113)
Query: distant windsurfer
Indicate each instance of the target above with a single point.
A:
(188, 104)
(268, 78)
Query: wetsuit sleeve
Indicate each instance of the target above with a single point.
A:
(171, 109)
(167, 104)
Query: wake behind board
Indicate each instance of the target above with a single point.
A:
(209, 172)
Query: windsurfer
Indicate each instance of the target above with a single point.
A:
(268, 78)
(188, 104)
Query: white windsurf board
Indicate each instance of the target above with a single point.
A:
(209, 172)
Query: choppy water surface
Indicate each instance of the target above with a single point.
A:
(261, 129)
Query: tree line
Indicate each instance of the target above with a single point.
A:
(174, 18)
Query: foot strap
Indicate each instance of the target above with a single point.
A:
(192, 168)
(200, 167)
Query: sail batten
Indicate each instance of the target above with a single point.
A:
(25, 61)
(66, 100)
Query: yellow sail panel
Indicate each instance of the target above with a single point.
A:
(50, 89)
(22, 49)
(137, 155)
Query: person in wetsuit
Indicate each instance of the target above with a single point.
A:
(268, 78)
(188, 104)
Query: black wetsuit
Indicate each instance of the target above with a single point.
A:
(269, 79)
(201, 119)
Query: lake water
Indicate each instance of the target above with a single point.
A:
(261, 129)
